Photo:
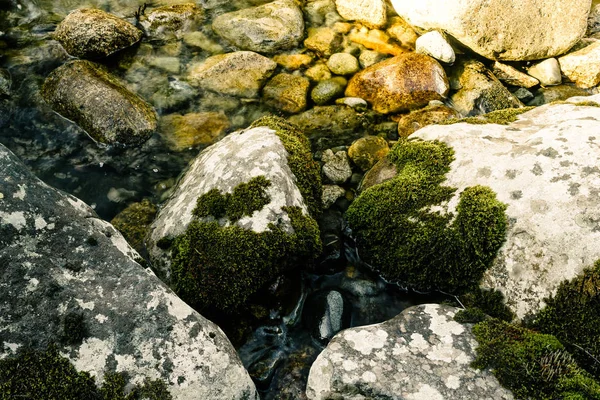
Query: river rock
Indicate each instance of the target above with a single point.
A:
(328, 90)
(66, 264)
(184, 131)
(370, 57)
(326, 313)
(435, 45)
(512, 76)
(547, 72)
(240, 74)
(96, 101)
(324, 41)
(401, 31)
(251, 232)
(403, 82)
(367, 151)
(343, 64)
(269, 28)
(287, 93)
(420, 354)
(5, 82)
(479, 90)
(417, 119)
(549, 94)
(330, 194)
(544, 166)
(293, 62)
(383, 171)
(371, 13)
(336, 166)
(172, 21)
(91, 33)
(512, 30)
(583, 66)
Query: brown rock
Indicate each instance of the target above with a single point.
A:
(325, 41)
(383, 171)
(367, 151)
(401, 31)
(184, 131)
(513, 76)
(174, 20)
(403, 82)
(287, 92)
(293, 62)
(407, 124)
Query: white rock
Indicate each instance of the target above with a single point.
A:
(503, 30)
(545, 167)
(435, 45)
(372, 13)
(583, 66)
(547, 72)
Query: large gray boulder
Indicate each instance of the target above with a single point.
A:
(269, 28)
(420, 354)
(87, 94)
(509, 30)
(69, 278)
(92, 33)
(545, 167)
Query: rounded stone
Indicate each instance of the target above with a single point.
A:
(343, 64)
(367, 151)
(287, 92)
(328, 90)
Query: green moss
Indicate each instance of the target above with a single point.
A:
(300, 161)
(134, 222)
(243, 201)
(573, 316)
(48, 375)
(490, 302)
(501, 117)
(74, 328)
(470, 315)
(398, 233)
(531, 364)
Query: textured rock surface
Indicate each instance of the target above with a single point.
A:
(372, 13)
(96, 101)
(582, 66)
(513, 76)
(287, 92)
(420, 354)
(5, 82)
(404, 82)
(269, 28)
(58, 260)
(184, 131)
(91, 33)
(241, 74)
(435, 45)
(503, 30)
(174, 20)
(417, 119)
(367, 151)
(337, 166)
(545, 167)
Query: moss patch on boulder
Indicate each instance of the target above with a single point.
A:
(531, 364)
(400, 233)
(573, 316)
(500, 117)
(134, 222)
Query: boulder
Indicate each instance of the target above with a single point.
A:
(269, 28)
(172, 21)
(240, 74)
(239, 216)
(71, 280)
(371, 13)
(85, 93)
(512, 30)
(583, 66)
(91, 33)
(287, 92)
(403, 82)
(420, 354)
(544, 166)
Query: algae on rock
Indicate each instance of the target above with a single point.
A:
(401, 233)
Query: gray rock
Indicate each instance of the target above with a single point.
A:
(96, 101)
(66, 263)
(5, 82)
(326, 313)
(544, 166)
(240, 74)
(523, 94)
(172, 21)
(420, 354)
(328, 90)
(269, 28)
(337, 166)
(91, 33)
(330, 194)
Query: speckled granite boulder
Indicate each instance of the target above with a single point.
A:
(268, 28)
(85, 93)
(545, 167)
(420, 354)
(60, 263)
(91, 33)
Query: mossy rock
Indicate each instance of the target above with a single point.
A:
(531, 364)
(400, 234)
(500, 117)
(573, 316)
(133, 222)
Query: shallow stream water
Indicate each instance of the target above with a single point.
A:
(278, 354)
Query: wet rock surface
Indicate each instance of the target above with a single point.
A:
(174, 20)
(61, 263)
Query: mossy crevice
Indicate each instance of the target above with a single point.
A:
(481, 304)
(399, 233)
(531, 364)
(500, 117)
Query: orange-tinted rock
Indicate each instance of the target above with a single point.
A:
(407, 124)
(367, 151)
(189, 130)
(404, 82)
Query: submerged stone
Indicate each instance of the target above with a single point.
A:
(96, 101)
(184, 131)
(174, 20)
(287, 92)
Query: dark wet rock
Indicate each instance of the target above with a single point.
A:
(403, 82)
(70, 278)
(268, 28)
(328, 90)
(287, 92)
(92, 33)
(478, 90)
(289, 382)
(240, 74)
(263, 353)
(383, 171)
(326, 313)
(367, 151)
(417, 119)
(556, 93)
(421, 354)
(5, 82)
(172, 21)
(96, 101)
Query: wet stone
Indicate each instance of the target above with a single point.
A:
(328, 90)
(327, 312)
(336, 166)
(172, 21)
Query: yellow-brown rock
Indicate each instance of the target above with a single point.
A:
(407, 124)
(189, 130)
(376, 40)
(404, 82)
(293, 62)
(287, 92)
(367, 151)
